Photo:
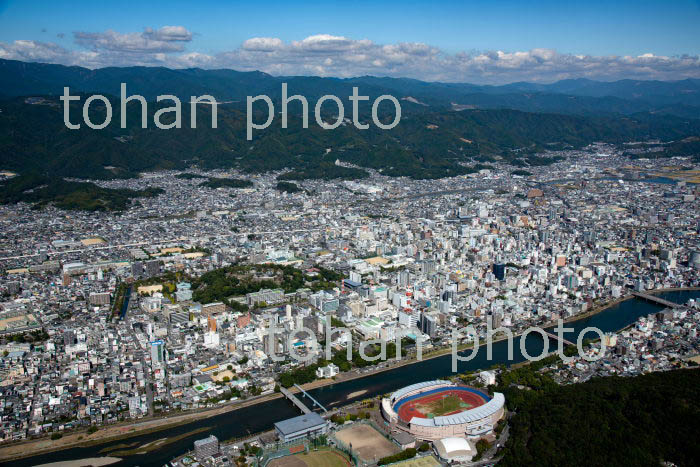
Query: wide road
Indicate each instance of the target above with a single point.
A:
(140, 352)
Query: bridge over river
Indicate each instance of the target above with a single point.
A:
(655, 299)
(556, 338)
(295, 400)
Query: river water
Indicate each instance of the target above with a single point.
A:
(261, 417)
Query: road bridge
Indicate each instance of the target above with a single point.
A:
(556, 338)
(654, 299)
(316, 403)
(295, 400)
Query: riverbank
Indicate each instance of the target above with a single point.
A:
(92, 461)
(127, 430)
(120, 431)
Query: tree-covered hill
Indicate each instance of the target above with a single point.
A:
(63, 194)
(33, 138)
(641, 421)
(221, 284)
(687, 147)
(288, 187)
(215, 182)
(573, 96)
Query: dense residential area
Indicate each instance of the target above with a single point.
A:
(349, 234)
(199, 298)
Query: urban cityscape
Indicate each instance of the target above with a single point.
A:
(125, 323)
(307, 297)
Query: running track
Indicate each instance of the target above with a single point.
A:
(407, 408)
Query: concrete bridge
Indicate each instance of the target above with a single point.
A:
(556, 338)
(295, 400)
(315, 402)
(654, 299)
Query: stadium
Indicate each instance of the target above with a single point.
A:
(434, 410)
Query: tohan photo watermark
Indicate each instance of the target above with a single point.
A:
(469, 333)
(207, 99)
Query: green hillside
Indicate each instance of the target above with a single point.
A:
(573, 96)
(63, 194)
(33, 138)
(640, 421)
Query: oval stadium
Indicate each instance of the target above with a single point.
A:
(433, 410)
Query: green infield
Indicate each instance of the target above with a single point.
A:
(445, 405)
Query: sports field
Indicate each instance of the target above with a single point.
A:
(366, 442)
(449, 403)
(427, 461)
(440, 402)
(321, 458)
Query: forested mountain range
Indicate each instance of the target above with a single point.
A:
(574, 96)
(445, 130)
(33, 138)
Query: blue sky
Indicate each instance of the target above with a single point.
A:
(450, 28)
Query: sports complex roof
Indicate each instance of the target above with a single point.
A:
(454, 447)
(491, 406)
(471, 415)
(301, 423)
(425, 384)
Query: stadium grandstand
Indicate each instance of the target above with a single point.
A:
(439, 409)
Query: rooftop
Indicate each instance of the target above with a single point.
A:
(300, 423)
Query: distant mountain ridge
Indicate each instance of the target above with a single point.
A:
(514, 123)
(572, 96)
(429, 144)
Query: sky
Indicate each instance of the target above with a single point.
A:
(456, 41)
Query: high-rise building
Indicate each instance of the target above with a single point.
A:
(355, 276)
(157, 353)
(496, 320)
(184, 291)
(179, 317)
(137, 269)
(499, 270)
(13, 287)
(404, 278)
(428, 266)
(409, 318)
(269, 296)
(207, 447)
(213, 308)
(152, 267)
(571, 281)
(100, 298)
(694, 259)
(69, 337)
(429, 324)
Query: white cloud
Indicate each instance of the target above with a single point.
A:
(263, 44)
(169, 33)
(32, 51)
(329, 55)
(165, 39)
(328, 43)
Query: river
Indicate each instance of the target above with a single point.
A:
(125, 304)
(656, 179)
(261, 417)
